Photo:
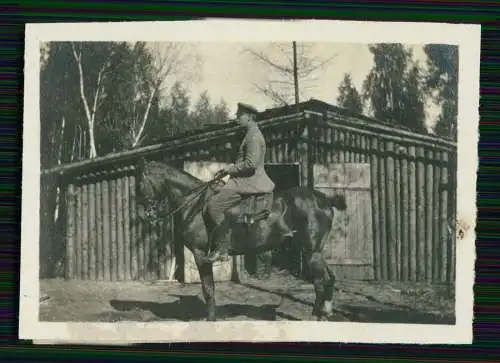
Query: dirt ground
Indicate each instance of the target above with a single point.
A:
(281, 297)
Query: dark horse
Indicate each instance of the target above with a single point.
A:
(307, 210)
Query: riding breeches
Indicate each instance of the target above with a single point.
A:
(220, 202)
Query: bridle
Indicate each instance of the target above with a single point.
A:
(195, 193)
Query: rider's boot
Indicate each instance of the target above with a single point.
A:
(219, 240)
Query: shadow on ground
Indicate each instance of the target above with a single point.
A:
(189, 308)
(365, 314)
(373, 311)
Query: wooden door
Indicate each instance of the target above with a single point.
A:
(350, 247)
(204, 170)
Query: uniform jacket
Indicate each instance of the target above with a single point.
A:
(247, 174)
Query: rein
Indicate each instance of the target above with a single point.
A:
(197, 192)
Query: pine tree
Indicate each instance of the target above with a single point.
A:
(393, 87)
(202, 114)
(220, 113)
(442, 80)
(349, 97)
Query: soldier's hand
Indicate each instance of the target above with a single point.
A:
(220, 174)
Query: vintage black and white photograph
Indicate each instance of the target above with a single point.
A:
(250, 181)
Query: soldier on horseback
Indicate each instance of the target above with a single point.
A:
(247, 176)
(246, 217)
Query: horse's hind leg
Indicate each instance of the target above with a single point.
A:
(323, 281)
(207, 284)
(329, 290)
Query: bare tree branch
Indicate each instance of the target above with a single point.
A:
(274, 95)
(90, 118)
(78, 59)
(169, 59)
(313, 66)
(90, 114)
(281, 82)
(266, 60)
(145, 118)
(97, 92)
(279, 58)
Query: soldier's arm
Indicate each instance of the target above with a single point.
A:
(248, 164)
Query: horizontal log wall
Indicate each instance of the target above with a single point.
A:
(106, 236)
(412, 199)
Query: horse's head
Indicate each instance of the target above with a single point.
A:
(161, 184)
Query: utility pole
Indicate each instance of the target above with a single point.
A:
(295, 73)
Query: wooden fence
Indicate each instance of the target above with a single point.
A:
(413, 194)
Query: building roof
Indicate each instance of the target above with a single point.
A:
(273, 116)
(311, 105)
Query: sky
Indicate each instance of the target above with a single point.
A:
(227, 72)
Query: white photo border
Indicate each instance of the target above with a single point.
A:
(467, 37)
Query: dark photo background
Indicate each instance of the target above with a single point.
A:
(12, 30)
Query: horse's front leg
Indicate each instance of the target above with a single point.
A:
(323, 285)
(207, 284)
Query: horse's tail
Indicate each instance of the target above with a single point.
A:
(281, 221)
(337, 201)
(284, 207)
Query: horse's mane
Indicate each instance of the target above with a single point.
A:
(158, 175)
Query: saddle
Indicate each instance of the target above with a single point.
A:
(253, 208)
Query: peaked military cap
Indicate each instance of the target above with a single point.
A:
(245, 108)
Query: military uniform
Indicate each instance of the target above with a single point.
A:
(247, 176)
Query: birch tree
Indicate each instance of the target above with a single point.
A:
(171, 118)
(170, 62)
(92, 95)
